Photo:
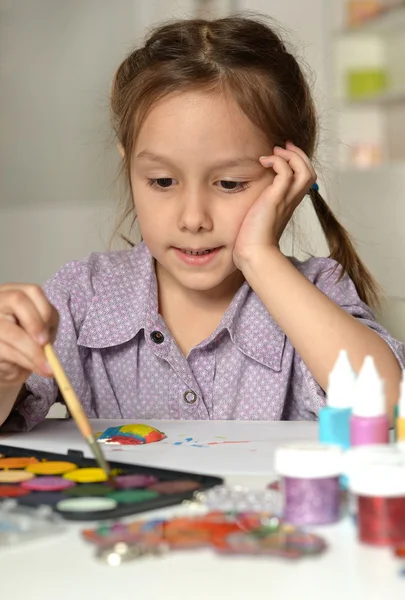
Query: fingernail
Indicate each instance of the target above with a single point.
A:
(42, 338)
(266, 160)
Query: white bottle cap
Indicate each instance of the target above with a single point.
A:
(308, 460)
(369, 399)
(401, 402)
(342, 380)
(372, 454)
(378, 480)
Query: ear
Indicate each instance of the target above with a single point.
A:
(121, 150)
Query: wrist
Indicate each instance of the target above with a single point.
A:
(256, 259)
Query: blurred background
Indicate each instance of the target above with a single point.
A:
(58, 160)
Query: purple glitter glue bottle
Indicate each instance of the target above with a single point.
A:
(310, 482)
(369, 422)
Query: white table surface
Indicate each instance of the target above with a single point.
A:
(64, 567)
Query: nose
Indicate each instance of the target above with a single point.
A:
(195, 214)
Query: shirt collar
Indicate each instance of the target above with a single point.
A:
(252, 329)
(126, 301)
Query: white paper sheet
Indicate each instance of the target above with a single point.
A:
(202, 446)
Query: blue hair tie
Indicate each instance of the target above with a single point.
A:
(315, 187)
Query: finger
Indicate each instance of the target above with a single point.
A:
(14, 336)
(284, 176)
(48, 312)
(17, 302)
(303, 176)
(12, 360)
(294, 148)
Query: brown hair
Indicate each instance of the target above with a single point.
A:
(247, 58)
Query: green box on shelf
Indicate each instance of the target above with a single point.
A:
(365, 83)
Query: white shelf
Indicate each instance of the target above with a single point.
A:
(379, 100)
(387, 23)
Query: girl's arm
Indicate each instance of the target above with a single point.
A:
(316, 326)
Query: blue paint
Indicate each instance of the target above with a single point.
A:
(177, 443)
(189, 439)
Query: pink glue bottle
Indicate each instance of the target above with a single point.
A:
(369, 422)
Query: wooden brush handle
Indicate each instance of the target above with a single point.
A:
(72, 401)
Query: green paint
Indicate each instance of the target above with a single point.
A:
(130, 496)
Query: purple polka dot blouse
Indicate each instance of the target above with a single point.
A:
(124, 364)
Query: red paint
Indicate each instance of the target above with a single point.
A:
(12, 491)
(381, 521)
(154, 436)
(125, 440)
(230, 442)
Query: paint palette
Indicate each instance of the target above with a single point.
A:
(77, 489)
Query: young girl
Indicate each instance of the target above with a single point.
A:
(205, 318)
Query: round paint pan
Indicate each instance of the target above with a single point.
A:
(179, 486)
(41, 498)
(15, 476)
(89, 489)
(86, 505)
(12, 491)
(87, 475)
(50, 483)
(132, 481)
(51, 467)
(16, 462)
(133, 496)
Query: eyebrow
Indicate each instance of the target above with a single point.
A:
(233, 162)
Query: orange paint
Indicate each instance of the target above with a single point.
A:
(17, 462)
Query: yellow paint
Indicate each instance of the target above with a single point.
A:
(87, 475)
(138, 429)
(51, 467)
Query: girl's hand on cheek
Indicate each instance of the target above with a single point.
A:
(267, 218)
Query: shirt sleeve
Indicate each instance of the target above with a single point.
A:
(307, 396)
(39, 393)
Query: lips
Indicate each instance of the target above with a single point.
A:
(194, 252)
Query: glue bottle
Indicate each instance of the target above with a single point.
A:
(369, 422)
(400, 416)
(334, 418)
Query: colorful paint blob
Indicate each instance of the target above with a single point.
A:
(86, 504)
(174, 487)
(48, 483)
(131, 435)
(15, 476)
(87, 475)
(17, 462)
(51, 467)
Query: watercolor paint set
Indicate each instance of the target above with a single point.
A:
(75, 488)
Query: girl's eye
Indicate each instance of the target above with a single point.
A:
(233, 186)
(161, 182)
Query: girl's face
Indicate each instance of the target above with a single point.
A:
(195, 173)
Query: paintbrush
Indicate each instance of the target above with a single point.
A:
(76, 409)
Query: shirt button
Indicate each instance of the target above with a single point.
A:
(157, 337)
(190, 397)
